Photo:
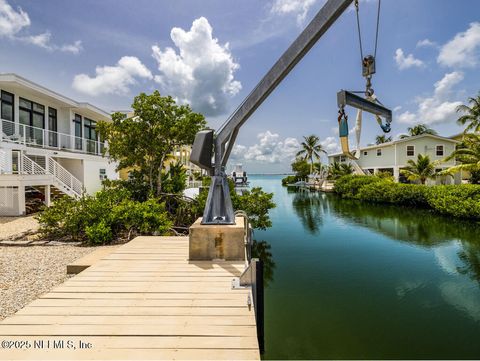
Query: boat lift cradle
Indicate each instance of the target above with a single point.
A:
(208, 143)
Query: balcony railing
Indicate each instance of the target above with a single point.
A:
(43, 138)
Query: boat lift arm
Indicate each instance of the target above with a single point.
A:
(218, 208)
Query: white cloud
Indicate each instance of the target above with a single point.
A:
(463, 50)
(426, 43)
(112, 79)
(11, 20)
(437, 108)
(41, 40)
(269, 149)
(405, 62)
(201, 73)
(74, 48)
(44, 41)
(330, 144)
(299, 8)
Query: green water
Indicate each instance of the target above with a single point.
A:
(347, 280)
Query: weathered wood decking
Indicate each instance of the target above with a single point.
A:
(143, 301)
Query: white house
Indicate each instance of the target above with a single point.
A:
(48, 145)
(393, 156)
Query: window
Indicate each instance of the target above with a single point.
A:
(32, 115)
(7, 112)
(343, 158)
(52, 127)
(103, 174)
(365, 153)
(439, 151)
(379, 152)
(77, 121)
(410, 150)
(90, 134)
(7, 100)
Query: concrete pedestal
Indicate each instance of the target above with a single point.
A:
(208, 242)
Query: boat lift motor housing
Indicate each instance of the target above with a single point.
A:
(202, 150)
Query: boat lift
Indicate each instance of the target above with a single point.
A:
(218, 145)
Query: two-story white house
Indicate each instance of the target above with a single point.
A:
(393, 156)
(48, 145)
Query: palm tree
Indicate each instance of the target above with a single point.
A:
(421, 170)
(347, 169)
(334, 170)
(379, 139)
(418, 129)
(337, 170)
(471, 115)
(311, 150)
(468, 154)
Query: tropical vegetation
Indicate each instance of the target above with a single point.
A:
(311, 150)
(453, 200)
(380, 139)
(144, 141)
(467, 155)
(418, 129)
(420, 170)
(471, 115)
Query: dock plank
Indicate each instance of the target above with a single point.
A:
(144, 300)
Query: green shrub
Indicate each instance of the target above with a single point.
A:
(395, 193)
(100, 219)
(289, 179)
(456, 200)
(348, 186)
(98, 233)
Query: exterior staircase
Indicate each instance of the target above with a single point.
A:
(61, 178)
(357, 169)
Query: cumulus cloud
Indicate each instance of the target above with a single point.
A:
(201, 73)
(112, 79)
(426, 43)
(299, 8)
(11, 20)
(405, 62)
(437, 108)
(269, 149)
(330, 144)
(463, 50)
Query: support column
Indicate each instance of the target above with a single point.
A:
(396, 173)
(21, 200)
(375, 171)
(48, 195)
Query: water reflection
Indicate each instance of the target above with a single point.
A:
(414, 226)
(262, 250)
(309, 207)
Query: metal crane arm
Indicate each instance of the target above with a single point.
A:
(299, 48)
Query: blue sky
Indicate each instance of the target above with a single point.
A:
(211, 53)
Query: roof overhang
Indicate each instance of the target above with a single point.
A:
(15, 81)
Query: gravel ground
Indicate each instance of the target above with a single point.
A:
(28, 272)
(10, 226)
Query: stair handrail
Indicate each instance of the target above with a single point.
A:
(64, 177)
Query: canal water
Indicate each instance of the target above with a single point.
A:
(349, 280)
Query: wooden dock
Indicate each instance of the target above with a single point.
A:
(143, 301)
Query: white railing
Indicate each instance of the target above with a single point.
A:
(28, 166)
(3, 161)
(64, 177)
(38, 137)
